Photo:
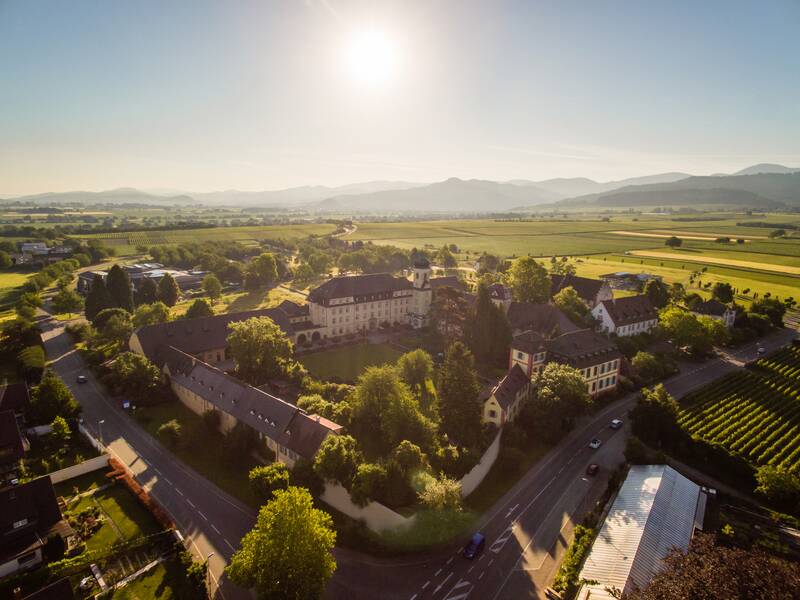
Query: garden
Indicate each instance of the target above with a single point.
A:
(348, 362)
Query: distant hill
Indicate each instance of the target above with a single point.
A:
(117, 196)
(451, 195)
(580, 186)
(767, 168)
(693, 197)
(298, 195)
(768, 191)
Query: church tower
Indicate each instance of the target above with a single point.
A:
(421, 305)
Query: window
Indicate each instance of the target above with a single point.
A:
(520, 355)
(492, 413)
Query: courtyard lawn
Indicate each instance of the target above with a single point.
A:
(348, 362)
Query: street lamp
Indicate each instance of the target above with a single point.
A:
(208, 572)
(100, 430)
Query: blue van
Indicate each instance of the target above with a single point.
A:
(475, 546)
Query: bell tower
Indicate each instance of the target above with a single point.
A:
(421, 305)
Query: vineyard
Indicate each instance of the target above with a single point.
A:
(753, 413)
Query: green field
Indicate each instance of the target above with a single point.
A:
(9, 284)
(349, 362)
(753, 413)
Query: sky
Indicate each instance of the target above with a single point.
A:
(203, 95)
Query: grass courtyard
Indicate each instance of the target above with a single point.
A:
(348, 362)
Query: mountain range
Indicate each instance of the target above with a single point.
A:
(762, 186)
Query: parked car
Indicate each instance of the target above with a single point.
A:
(82, 379)
(475, 546)
(595, 444)
(592, 469)
(616, 424)
(761, 351)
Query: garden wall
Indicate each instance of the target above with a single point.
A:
(375, 515)
(473, 479)
(87, 466)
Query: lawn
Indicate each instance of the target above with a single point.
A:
(200, 449)
(348, 362)
(163, 582)
(84, 483)
(9, 287)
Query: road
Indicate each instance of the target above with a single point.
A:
(527, 529)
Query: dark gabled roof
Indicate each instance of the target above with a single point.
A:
(449, 281)
(347, 286)
(194, 336)
(541, 318)
(587, 288)
(292, 309)
(306, 433)
(14, 396)
(529, 342)
(12, 447)
(33, 503)
(631, 309)
(710, 307)
(497, 291)
(506, 391)
(582, 348)
(58, 590)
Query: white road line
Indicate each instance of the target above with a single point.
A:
(426, 584)
(511, 510)
(470, 569)
(449, 561)
(190, 503)
(413, 597)
(437, 573)
(229, 544)
(438, 587)
(481, 575)
(180, 492)
(462, 583)
(202, 515)
(489, 564)
(214, 527)
(167, 481)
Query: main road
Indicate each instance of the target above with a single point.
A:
(527, 530)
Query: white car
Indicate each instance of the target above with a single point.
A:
(761, 351)
(616, 424)
(82, 379)
(595, 444)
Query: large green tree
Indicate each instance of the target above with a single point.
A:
(67, 301)
(416, 368)
(147, 292)
(529, 280)
(139, 377)
(722, 291)
(262, 271)
(150, 314)
(657, 292)
(267, 479)
(338, 458)
(199, 308)
(51, 399)
(118, 285)
(685, 329)
(448, 312)
(487, 331)
(168, 290)
(260, 350)
(770, 307)
(97, 299)
(212, 286)
(572, 305)
(459, 405)
(655, 417)
(288, 553)
(560, 396)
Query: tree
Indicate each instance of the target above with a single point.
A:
(118, 285)
(260, 349)
(529, 281)
(147, 292)
(102, 318)
(5, 260)
(369, 483)
(655, 417)
(561, 267)
(459, 405)
(677, 292)
(150, 314)
(572, 305)
(137, 375)
(448, 311)
(410, 457)
(673, 242)
(168, 290)
(338, 458)
(560, 397)
(51, 399)
(657, 293)
(442, 494)
(385, 412)
(487, 331)
(715, 329)
(685, 330)
(266, 479)
(648, 366)
(212, 286)
(446, 258)
(60, 430)
(770, 307)
(780, 486)
(98, 298)
(722, 291)
(288, 553)
(117, 330)
(416, 368)
(170, 432)
(262, 271)
(67, 301)
(199, 308)
(709, 572)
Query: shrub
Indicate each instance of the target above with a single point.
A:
(170, 432)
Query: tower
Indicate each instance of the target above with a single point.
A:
(421, 305)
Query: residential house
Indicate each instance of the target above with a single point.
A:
(29, 515)
(139, 272)
(716, 310)
(627, 316)
(501, 296)
(288, 431)
(12, 446)
(503, 403)
(545, 319)
(594, 355)
(15, 397)
(591, 291)
(529, 352)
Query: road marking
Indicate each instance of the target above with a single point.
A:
(449, 561)
(202, 515)
(426, 584)
(413, 597)
(190, 503)
(229, 544)
(214, 527)
(180, 492)
(498, 544)
(437, 573)
(489, 564)
(451, 595)
(481, 575)
(167, 481)
(511, 510)
(438, 587)
(470, 569)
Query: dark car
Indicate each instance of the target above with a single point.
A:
(592, 469)
(475, 546)
(82, 379)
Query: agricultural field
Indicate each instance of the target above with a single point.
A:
(753, 413)
(9, 284)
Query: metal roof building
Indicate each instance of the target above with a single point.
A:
(657, 509)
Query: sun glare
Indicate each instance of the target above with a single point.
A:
(371, 58)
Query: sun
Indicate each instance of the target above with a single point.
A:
(371, 58)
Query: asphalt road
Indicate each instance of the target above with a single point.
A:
(526, 530)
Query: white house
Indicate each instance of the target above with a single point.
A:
(504, 401)
(716, 310)
(626, 316)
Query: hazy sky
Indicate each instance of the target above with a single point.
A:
(198, 95)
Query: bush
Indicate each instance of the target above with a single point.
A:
(566, 581)
(170, 433)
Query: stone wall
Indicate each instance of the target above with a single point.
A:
(87, 466)
(473, 479)
(375, 515)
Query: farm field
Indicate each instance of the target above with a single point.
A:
(9, 282)
(789, 265)
(753, 413)
(349, 362)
